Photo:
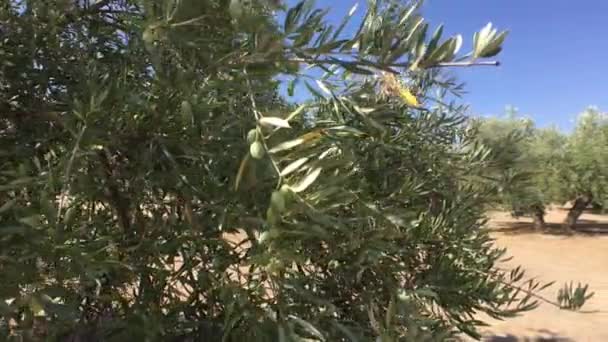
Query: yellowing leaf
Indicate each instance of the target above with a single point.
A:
(314, 135)
(408, 97)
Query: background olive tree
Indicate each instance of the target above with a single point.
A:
(136, 134)
(541, 166)
(518, 166)
(584, 176)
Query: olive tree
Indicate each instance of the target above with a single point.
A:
(156, 187)
(584, 173)
(541, 166)
(520, 163)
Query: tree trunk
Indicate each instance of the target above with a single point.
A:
(435, 203)
(580, 204)
(538, 215)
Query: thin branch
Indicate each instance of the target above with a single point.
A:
(120, 204)
(97, 6)
(389, 67)
(192, 21)
(68, 171)
(357, 63)
(528, 292)
(51, 116)
(466, 64)
(258, 116)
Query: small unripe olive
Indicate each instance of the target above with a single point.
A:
(277, 201)
(272, 217)
(256, 150)
(252, 136)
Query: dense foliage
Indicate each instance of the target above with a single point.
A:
(542, 166)
(515, 164)
(154, 186)
(584, 176)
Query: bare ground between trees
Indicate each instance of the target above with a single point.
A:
(552, 256)
(547, 256)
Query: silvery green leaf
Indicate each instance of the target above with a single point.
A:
(307, 180)
(323, 87)
(493, 47)
(274, 121)
(406, 16)
(416, 30)
(296, 112)
(435, 39)
(485, 31)
(311, 329)
(287, 145)
(440, 54)
(293, 166)
(458, 43)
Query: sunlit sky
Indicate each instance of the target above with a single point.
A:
(554, 63)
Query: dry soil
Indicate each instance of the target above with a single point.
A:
(553, 256)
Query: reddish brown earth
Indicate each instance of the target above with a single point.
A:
(553, 256)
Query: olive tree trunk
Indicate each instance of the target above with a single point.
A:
(579, 205)
(538, 216)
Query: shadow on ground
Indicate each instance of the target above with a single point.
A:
(546, 336)
(589, 227)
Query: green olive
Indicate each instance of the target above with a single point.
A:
(69, 216)
(186, 112)
(277, 201)
(252, 136)
(257, 150)
(272, 217)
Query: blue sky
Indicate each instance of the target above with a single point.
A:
(554, 62)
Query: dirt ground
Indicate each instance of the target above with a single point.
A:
(554, 256)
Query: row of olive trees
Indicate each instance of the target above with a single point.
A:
(541, 166)
(135, 134)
